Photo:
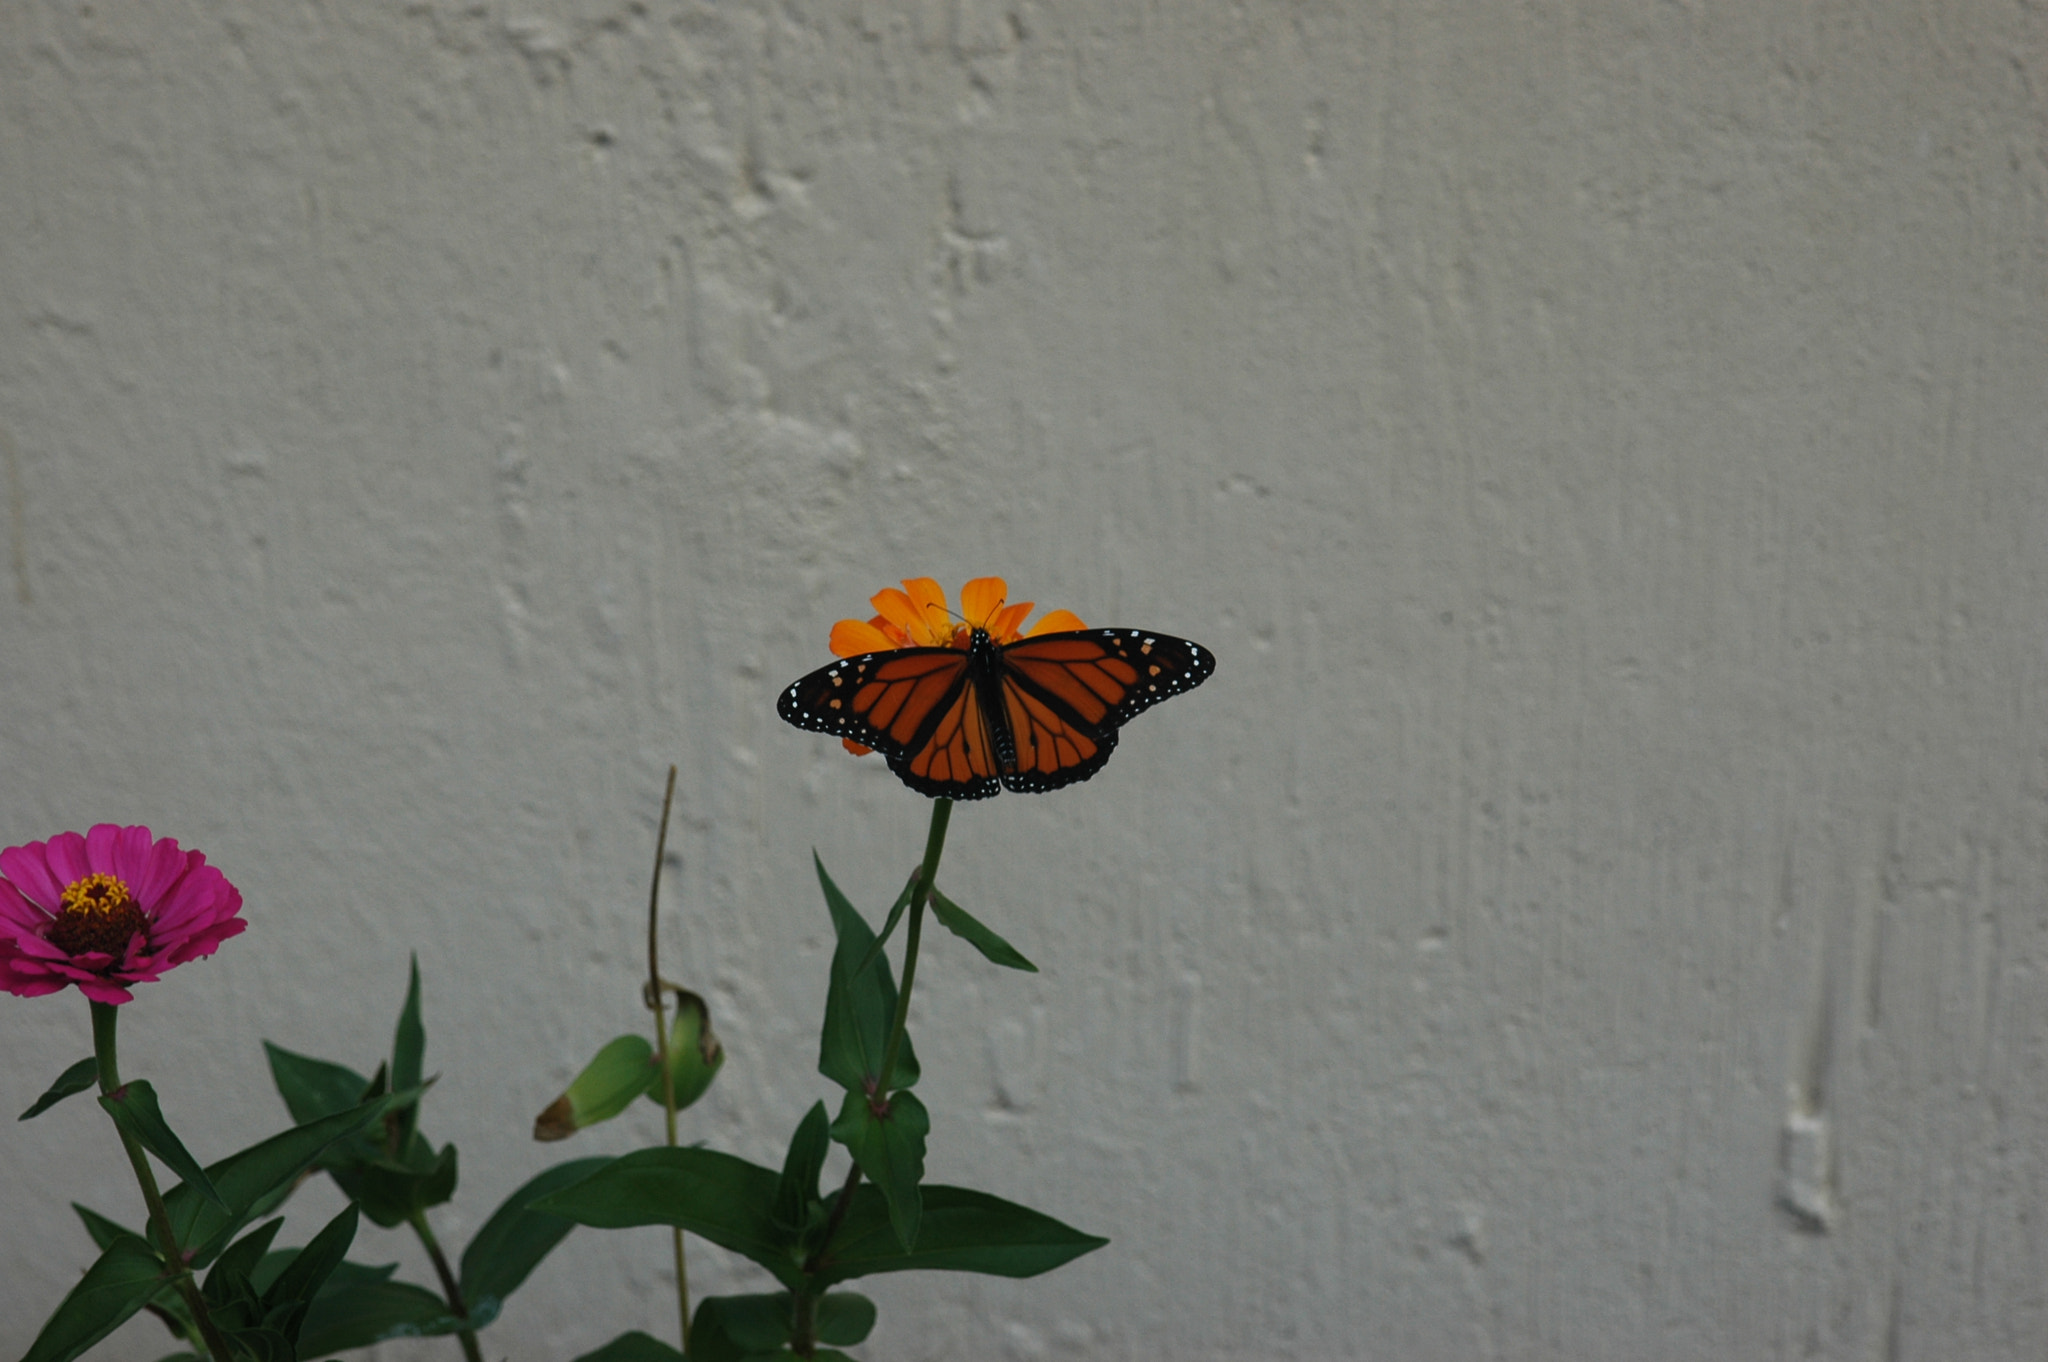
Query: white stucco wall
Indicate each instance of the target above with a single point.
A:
(1595, 911)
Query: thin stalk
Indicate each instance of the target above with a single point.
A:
(668, 1078)
(450, 1287)
(105, 1016)
(934, 846)
(803, 1341)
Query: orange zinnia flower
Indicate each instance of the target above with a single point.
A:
(917, 617)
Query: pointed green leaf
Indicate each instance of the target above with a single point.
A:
(890, 1149)
(134, 1109)
(257, 1179)
(103, 1230)
(960, 1231)
(290, 1297)
(620, 1072)
(516, 1237)
(960, 923)
(798, 1187)
(633, 1347)
(889, 926)
(722, 1198)
(229, 1280)
(408, 1052)
(860, 1005)
(77, 1078)
(113, 1288)
(313, 1088)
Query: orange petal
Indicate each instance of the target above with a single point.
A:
(897, 609)
(1003, 628)
(1056, 622)
(935, 621)
(980, 599)
(851, 638)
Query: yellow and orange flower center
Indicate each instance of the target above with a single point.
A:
(97, 913)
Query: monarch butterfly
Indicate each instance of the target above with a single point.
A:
(1028, 716)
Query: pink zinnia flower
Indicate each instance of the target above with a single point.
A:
(113, 907)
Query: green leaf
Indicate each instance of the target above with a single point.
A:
(134, 1109)
(289, 1298)
(798, 1188)
(392, 1191)
(889, 926)
(313, 1088)
(516, 1237)
(77, 1078)
(634, 1347)
(960, 923)
(113, 1288)
(960, 1231)
(102, 1230)
(358, 1307)
(408, 1051)
(719, 1197)
(229, 1283)
(733, 1328)
(845, 1318)
(260, 1177)
(890, 1150)
(620, 1072)
(860, 1005)
(757, 1328)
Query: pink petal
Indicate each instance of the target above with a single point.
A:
(105, 991)
(158, 871)
(18, 912)
(36, 947)
(29, 871)
(205, 943)
(26, 984)
(66, 854)
(100, 841)
(186, 900)
(130, 851)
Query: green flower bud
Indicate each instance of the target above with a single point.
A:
(694, 1054)
(607, 1086)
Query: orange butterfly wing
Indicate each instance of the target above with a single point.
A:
(916, 706)
(1029, 716)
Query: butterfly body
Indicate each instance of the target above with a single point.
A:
(1028, 716)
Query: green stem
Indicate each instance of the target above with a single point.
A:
(803, 1339)
(668, 1078)
(450, 1287)
(934, 846)
(104, 1019)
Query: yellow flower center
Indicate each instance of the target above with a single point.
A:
(97, 914)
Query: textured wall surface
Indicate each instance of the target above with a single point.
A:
(1597, 907)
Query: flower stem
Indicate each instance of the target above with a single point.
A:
(804, 1341)
(104, 1018)
(934, 846)
(668, 1078)
(450, 1287)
